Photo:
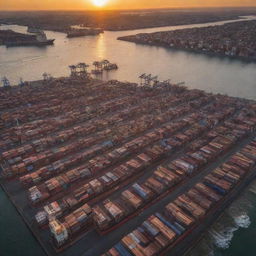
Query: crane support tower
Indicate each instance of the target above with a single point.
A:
(6, 82)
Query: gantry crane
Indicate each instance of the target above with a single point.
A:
(6, 82)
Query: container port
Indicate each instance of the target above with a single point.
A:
(115, 168)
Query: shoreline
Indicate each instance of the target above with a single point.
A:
(174, 24)
(177, 24)
(40, 82)
(194, 51)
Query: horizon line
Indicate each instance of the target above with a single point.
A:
(131, 9)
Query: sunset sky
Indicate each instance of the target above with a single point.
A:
(115, 4)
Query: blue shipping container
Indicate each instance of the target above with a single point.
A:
(122, 250)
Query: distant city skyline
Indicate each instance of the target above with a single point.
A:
(117, 4)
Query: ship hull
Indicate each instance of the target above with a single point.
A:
(30, 43)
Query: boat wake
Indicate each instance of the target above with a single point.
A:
(32, 58)
(211, 253)
(243, 221)
(222, 238)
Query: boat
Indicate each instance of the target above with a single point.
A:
(29, 43)
(40, 40)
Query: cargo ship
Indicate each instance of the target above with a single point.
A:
(84, 32)
(40, 40)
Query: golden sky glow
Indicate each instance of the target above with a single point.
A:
(100, 3)
(115, 4)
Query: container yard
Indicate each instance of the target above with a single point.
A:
(162, 231)
(115, 168)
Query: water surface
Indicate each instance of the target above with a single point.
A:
(15, 238)
(214, 74)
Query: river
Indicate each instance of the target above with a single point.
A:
(15, 237)
(210, 73)
(214, 74)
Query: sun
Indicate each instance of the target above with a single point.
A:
(99, 3)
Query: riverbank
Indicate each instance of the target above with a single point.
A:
(131, 39)
(122, 20)
(233, 40)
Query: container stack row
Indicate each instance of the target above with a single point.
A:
(163, 230)
(162, 182)
(89, 156)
